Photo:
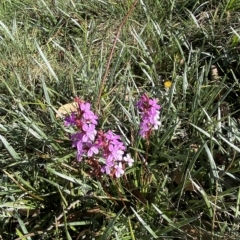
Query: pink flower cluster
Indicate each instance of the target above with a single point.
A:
(149, 111)
(104, 147)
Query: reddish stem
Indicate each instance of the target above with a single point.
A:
(112, 51)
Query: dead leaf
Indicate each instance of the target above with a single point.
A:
(225, 109)
(28, 212)
(214, 73)
(195, 232)
(66, 109)
(178, 178)
(194, 147)
(139, 196)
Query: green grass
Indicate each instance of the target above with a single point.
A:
(52, 51)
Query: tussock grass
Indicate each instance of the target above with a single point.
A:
(52, 51)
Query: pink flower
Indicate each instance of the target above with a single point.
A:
(92, 149)
(112, 136)
(119, 170)
(85, 106)
(90, 117)
(107, 168)
(89, 132)
(115, 153)
(149, 111)
(129, 160)
(76, 138)
(106, 148)
(80, 151)
(145, 127)
(70, 120)
(153, 103)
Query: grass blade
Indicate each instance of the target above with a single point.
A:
(145, 225)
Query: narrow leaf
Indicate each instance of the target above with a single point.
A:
(10, 149)
(144, 224)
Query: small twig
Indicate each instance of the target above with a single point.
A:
(112, 51)
(230, 164)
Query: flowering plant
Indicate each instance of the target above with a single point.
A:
(149, 111)
(104, 150)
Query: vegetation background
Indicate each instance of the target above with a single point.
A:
(185, 53)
